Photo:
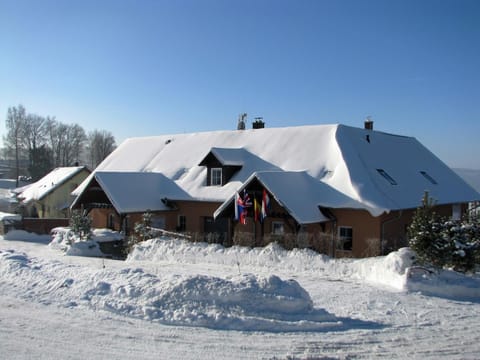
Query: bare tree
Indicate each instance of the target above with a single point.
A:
(100, 145)
(53, 140)
(15, 123)
(34, 132)
(65, 141)
(50, 143)
(73, 144)
(34, 138)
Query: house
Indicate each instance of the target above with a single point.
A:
(50, 197)
(340, 190)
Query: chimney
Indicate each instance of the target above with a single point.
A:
(258, 123)
(368, 123)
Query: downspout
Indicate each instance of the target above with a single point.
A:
(385, 222)
(334, 231)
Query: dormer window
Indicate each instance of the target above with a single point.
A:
(222, 164)
(216, 176)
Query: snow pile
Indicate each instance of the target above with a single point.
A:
(247, 302)
(390, 270)
(393, 271)
(447, 284)
(64, 240)
(272, 256)
(23, 235)
(9, 217)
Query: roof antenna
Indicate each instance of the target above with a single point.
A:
(241, 121)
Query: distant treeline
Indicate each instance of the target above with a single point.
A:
(44, 143)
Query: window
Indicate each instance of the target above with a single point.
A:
(277, 228)
(158, 222)
(456, 212)
(216, 176)
(111, 222)
(428, 177)
(182, 223)
(345, 238)
(387, 177)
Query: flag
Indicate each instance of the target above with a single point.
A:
(256, 209)
(237, 198)
(246, 199)
(265, 204)
(240, 213)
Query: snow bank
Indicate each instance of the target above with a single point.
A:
(394, 271)
(23, 235)
(390, 270)
(272, 256)
(446, 284)
(246, 303)
(64, 240)
(8, 216)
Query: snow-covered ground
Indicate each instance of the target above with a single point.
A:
(177, 300)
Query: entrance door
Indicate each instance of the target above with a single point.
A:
(215, 231)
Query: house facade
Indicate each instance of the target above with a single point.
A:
(340, 190)
(50, 197)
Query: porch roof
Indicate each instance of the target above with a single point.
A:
(139, 191)
(300, 194)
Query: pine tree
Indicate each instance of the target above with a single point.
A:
(142, 231)
(81, 225)
(423, 231)
(444, 242)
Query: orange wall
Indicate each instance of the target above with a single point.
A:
(368, 231)
(194, 211)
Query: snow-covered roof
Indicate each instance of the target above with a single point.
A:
(303, 201)
(231, 157)
(41, 188)
(380, 171)
(139, 191)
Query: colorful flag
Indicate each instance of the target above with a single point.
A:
(240, 213)
(265, 204)
(235, 204)
(256, 209)
(246, 199)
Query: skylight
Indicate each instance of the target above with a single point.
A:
(387, 177)
(428, 177)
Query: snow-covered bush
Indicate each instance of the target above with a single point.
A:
(142, 231)
(81, 225)
(444, 242)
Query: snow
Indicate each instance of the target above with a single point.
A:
(9, 217)
(132, 192)
(64, 240)
(181, 300)
(309, 195)
(45, 185)
(338, 156)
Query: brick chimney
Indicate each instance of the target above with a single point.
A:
(258, 123)
(368, 123)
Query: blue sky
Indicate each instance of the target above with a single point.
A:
(144, 67)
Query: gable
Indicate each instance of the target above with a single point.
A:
(131, 192)
(51, 182)
(299, 194)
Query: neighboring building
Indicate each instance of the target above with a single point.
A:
(340, 190)
(50, 197)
